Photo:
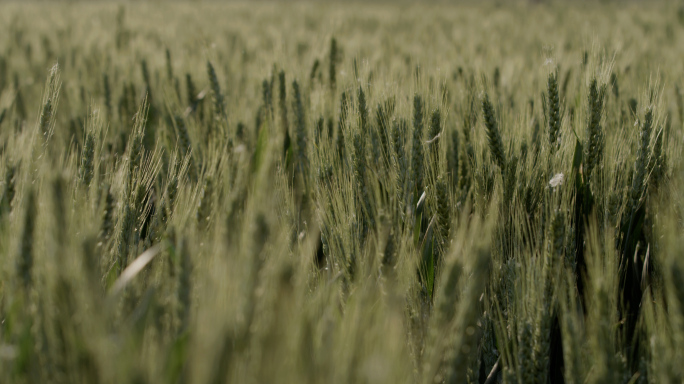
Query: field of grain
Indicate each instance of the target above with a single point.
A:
(207, 192)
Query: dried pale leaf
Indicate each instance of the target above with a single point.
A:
(134, 268)
(434, 138)
(556, 180)
(420, 201)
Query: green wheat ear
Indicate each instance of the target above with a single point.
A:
(658, 164)
(443, 211)
(342, 124)
(204, 208)
(86, 169)
(282, 103)
(595, 136)
(680, 104)
(267, 96)
(314, 71)
(191, 91)
(184, 286)
(453, 155)
(107, 95)
(332, 72)
(510, 181)
(434, 136)
(300, 129)
(169, 65)
(383, 115)
(417, 160)
(400, 160)
(558, 238)
(615, 86)
(46, 122)
(216, 94)
(26, 249)
(450, 293)
(363, 112)
(318, 130)
(124, 240)
(553, 118)
(636, 190)
(59, 197)
(148, 83)
(171, 196)
(107, 225)
(185, 146)
(359, 163)
(493, 135)
(469, 315)
(8, 192)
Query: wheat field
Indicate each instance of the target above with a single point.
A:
(321, 192)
